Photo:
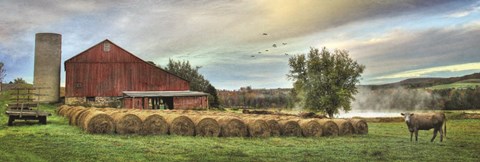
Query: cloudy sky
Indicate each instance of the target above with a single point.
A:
(393, 39)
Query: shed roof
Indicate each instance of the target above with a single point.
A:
(163, 93)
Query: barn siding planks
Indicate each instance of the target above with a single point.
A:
(197, 102)
(96, 72)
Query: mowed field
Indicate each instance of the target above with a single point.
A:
(58, 141)
(470, 83)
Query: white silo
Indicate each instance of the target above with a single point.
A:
(48, 54)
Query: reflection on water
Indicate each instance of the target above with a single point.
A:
(367, 114)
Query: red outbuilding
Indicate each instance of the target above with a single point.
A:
(107, 75)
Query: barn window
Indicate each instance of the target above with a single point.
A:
(106, 47)
(91, 99)
(78, 85)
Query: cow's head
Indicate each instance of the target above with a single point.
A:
(407, 116)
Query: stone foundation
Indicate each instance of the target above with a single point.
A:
(75, 100)
(93, 101)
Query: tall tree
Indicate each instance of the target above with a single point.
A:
(197, 81)
(213, 98)
(325, 81)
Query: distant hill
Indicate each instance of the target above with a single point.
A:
(430, 82)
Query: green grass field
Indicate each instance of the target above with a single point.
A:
(57, 141)
(470, 81)
(456, 85)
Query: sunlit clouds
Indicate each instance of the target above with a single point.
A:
(226, 38)
(424, 72)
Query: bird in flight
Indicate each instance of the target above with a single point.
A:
(264, 34)
(259, 52)
(266, 50)
(252, 56)
(284, 43)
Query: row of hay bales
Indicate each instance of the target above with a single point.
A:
(205, 123)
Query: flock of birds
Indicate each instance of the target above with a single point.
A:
(274, 46)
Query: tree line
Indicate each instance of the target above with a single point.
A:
(458, 99)
(246, 97)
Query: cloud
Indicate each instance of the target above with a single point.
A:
(172, 27)
(465, 12)
(19, 17)
(187, 24)
(404, 49)
(214, 34)
(460, 14)
(427, 71)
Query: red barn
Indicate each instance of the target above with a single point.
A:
(108, 75)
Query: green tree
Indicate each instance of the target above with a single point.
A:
(19, 81)
(325, 81)
(213, 98)
(197, 81)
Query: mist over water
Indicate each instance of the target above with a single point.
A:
(389, 102)
(352, 114)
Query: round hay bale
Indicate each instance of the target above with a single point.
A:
(128, 110)
(127, 123)
(232, 127)
(73, 118)
(60, 108)
(81, 118)
(257, 127)
(360, 126)
(71, 110)
(290, 128)
(215, 113)
(329, 128)
(288, 118)
(275, 128)
(206, 126)
(98, 122)
(186, 111)
(62, 111)
(66, 111)
(170, 111)
(180, 125)
(153, 124)
(310, 128)
(112, 110)
(344, 126)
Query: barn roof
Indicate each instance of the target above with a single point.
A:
(163, 93)
(106, 40)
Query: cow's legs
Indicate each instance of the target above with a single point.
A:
(411, 136)
(416, 135)
(441, 134)
(434, 134)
